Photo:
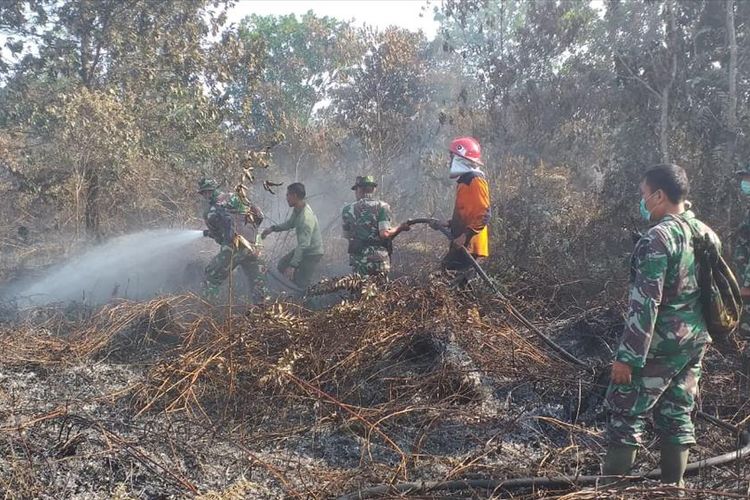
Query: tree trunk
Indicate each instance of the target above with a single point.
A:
(667, 88)
(664, 125)
(91, 210)
(731, 118)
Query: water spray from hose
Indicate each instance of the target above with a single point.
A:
(136, 265)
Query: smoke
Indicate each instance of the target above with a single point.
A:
(135, 266)
(326, 196)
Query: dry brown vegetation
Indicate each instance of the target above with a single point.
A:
(175, 397)
(109, 113)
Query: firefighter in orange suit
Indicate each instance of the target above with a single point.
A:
(471, 212)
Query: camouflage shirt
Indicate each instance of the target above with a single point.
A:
(741, 252)
(362, 221)
(664, 312)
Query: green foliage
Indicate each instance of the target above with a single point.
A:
(113, 87)
(303, 57)
(111, 109)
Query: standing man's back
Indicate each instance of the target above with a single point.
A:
(367, 227)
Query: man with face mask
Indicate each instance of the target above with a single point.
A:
(657, 366)
(471, 212)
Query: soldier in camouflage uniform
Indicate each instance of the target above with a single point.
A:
(741, 259)
(226, 216)
(658, 363)
(367, 227)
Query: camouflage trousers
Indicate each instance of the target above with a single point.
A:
(668, 386)
(367, 266)
(227, 260)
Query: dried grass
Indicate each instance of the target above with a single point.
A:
(413, 357)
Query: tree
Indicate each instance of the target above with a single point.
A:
(384, 95)
(99, 65)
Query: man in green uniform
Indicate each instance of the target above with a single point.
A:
(367, 227)
(658, 363)
(301, 264)
(228, 217)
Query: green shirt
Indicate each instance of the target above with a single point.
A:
(305, 224)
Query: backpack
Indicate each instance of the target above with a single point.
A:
(720, 296)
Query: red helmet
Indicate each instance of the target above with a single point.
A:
(467, 147)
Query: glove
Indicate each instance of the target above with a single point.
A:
(205, 232)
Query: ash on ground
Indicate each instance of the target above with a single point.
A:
(178, 398)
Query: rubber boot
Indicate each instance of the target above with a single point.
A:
(619, 461)
(674, 459)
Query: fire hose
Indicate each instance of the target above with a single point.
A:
(542, 481)
(512, 311)
(239, 241)
(420, 487)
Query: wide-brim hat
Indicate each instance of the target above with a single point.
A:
(207, 185)
(364, 181)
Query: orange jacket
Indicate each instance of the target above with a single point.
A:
(471, 213)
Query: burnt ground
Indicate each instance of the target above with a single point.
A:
(176, 398)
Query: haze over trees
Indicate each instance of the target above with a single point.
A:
(109, 111)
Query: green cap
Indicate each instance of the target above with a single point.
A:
(365, 181)
(205, 184)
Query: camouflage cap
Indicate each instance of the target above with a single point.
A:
(205, 184)
(365, 181)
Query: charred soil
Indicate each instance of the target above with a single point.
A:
(178, 398)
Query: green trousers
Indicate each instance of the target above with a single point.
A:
(305, 272)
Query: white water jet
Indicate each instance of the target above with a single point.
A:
(135, 266)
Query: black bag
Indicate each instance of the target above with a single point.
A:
(220, 225)
(721, 300)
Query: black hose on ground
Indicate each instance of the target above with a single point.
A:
(538, 482)
(543, 482)
(514, 313)
(283, 281)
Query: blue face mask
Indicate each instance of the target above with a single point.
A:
(645, 212)
(745, 187)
